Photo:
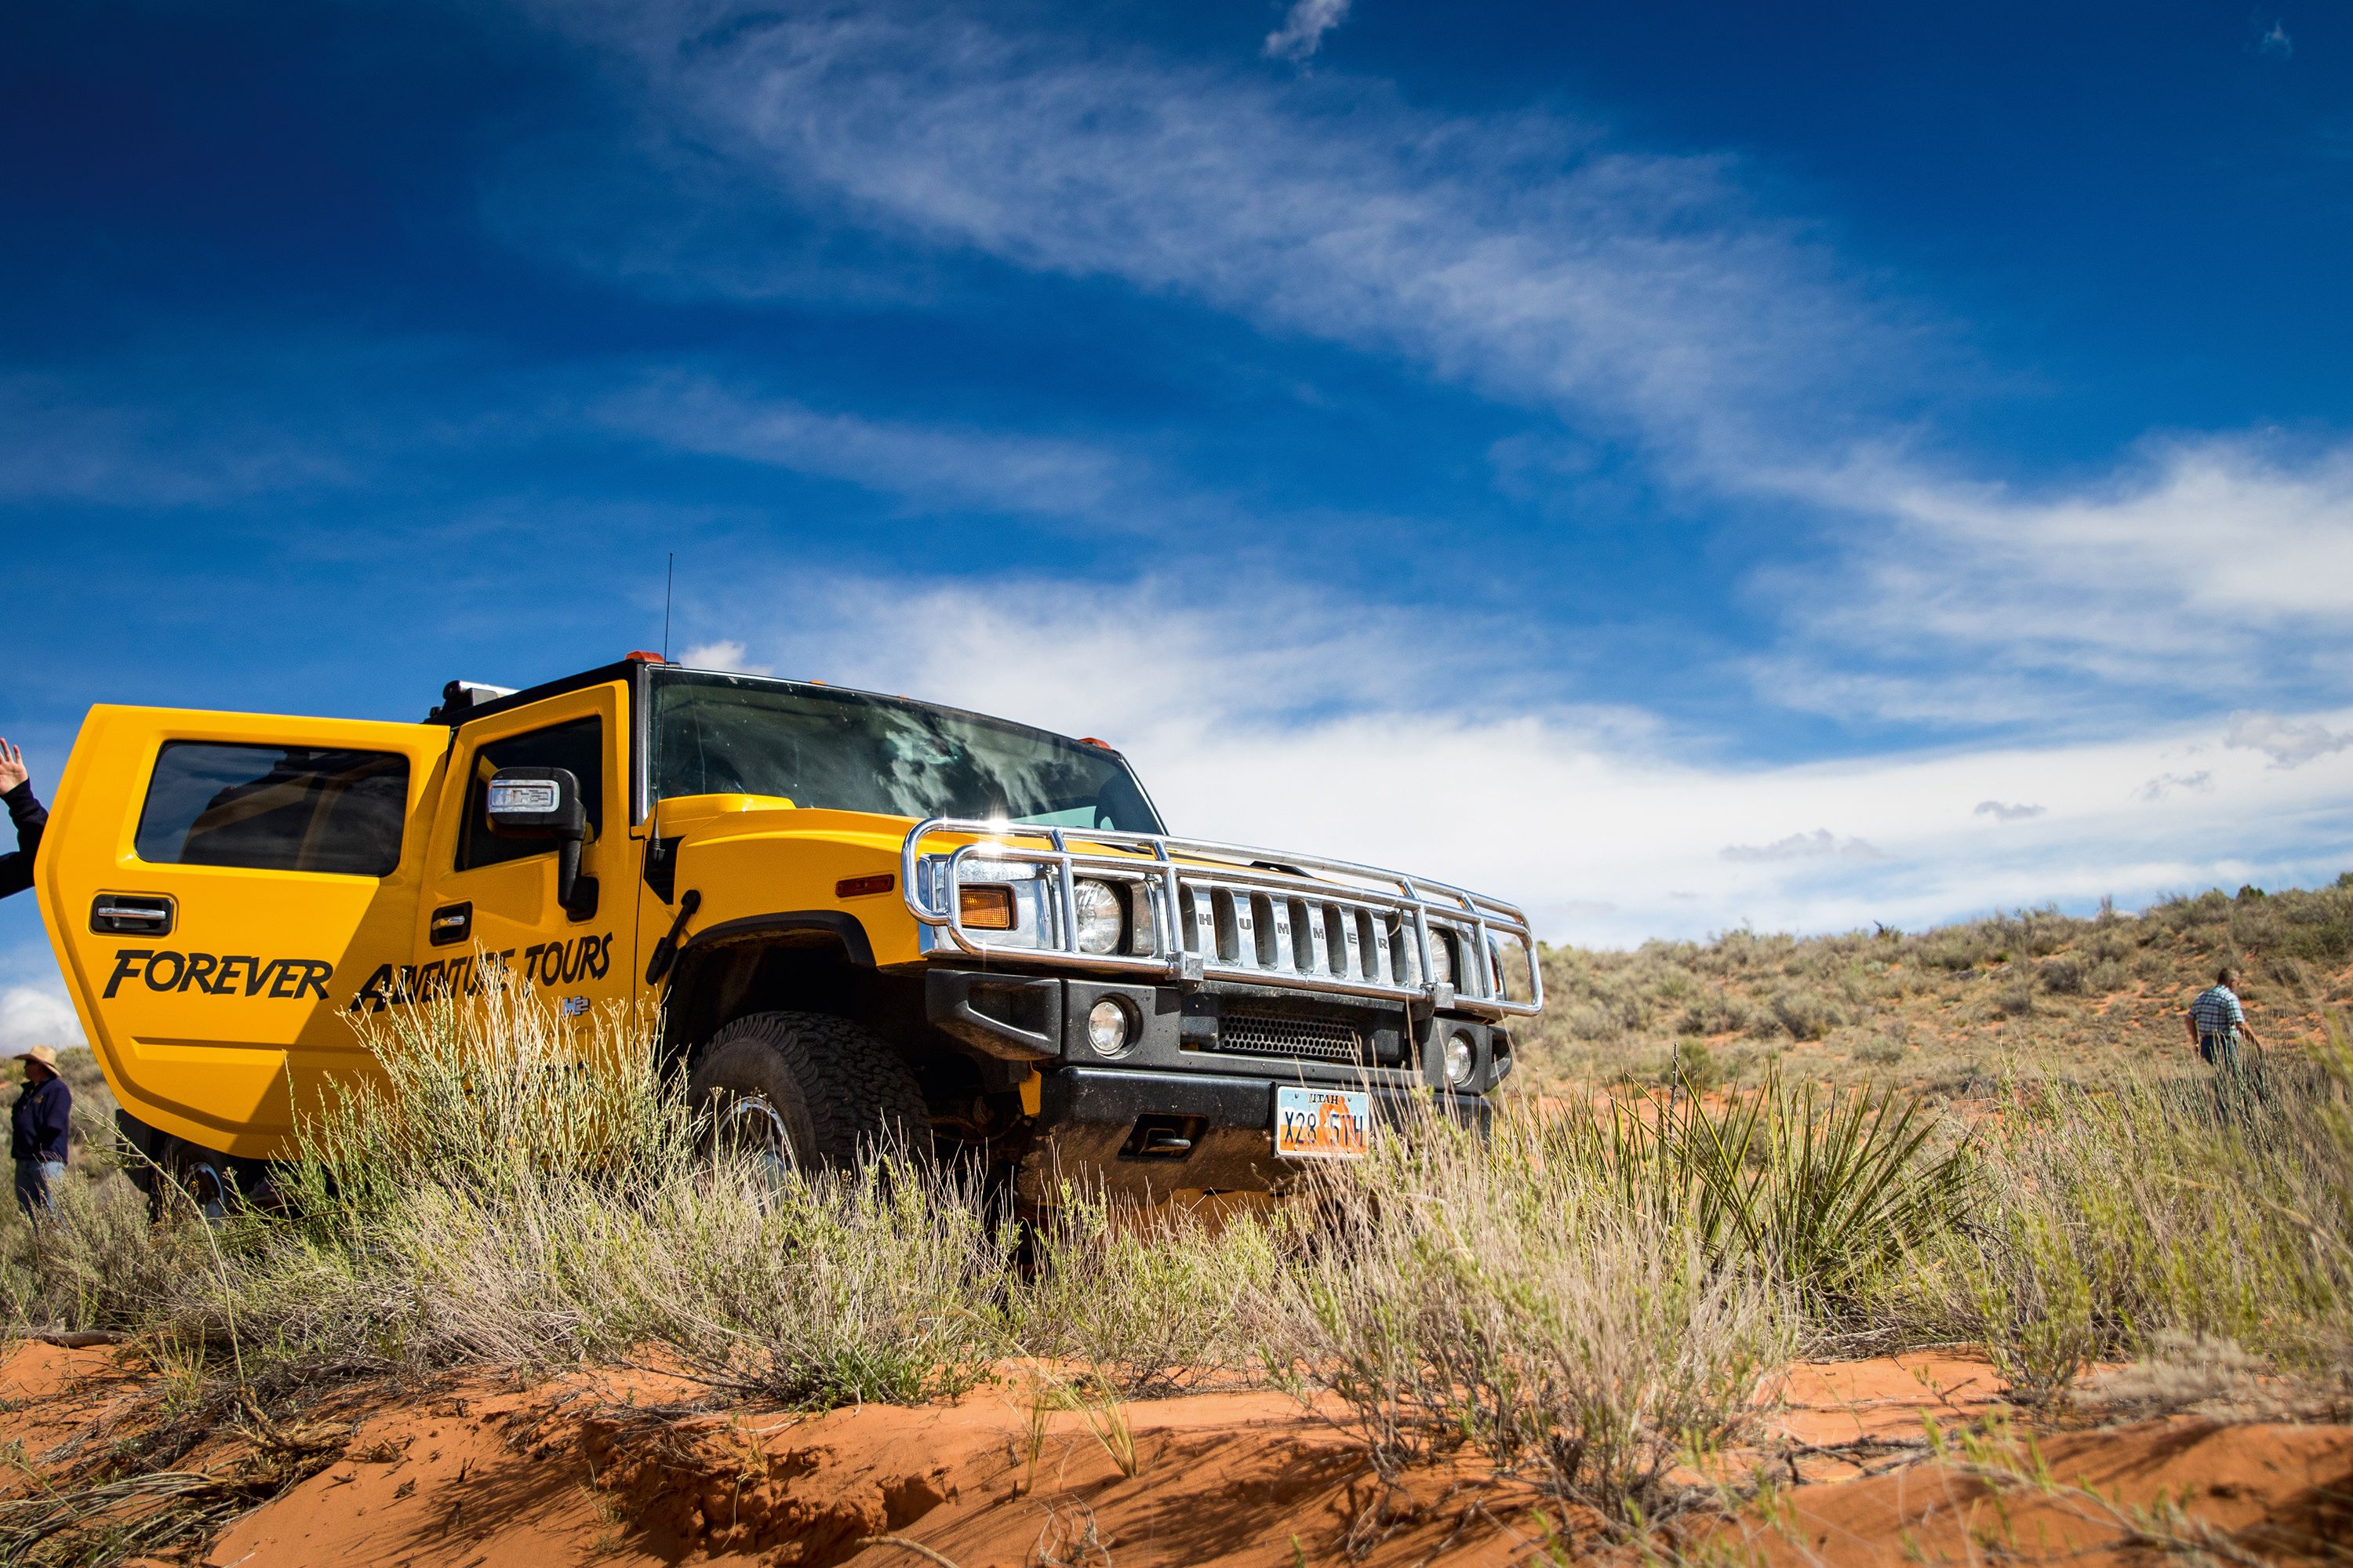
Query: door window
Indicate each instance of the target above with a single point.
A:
(578, 745)
(275, 808)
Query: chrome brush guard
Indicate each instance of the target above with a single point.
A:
(1199, 910)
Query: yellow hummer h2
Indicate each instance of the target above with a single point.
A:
(857, 915)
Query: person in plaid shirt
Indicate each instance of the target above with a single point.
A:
(2216, 1021)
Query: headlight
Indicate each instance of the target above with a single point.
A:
(1461, 1056)
(1441, 958)
(1107, 1028)
(1096, 916)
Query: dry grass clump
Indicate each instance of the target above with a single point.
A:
(1506, 1298)
(2111, 1221)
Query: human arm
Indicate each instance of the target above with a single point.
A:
(27, 812)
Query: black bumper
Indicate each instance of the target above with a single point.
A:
(1142, 1136)
(1024, 1021)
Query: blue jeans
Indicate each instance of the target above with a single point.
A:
(33, 1178)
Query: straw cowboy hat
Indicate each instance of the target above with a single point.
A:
(46, 1055)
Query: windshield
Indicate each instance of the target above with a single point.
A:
(848, 751)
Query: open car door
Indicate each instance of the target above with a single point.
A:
(218, 886)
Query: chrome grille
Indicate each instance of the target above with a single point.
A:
(1227, 913)
(1266, 1034)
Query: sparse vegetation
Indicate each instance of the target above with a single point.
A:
(1583, 1298)
(2094, 999)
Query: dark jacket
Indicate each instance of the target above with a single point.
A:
(30, 817)
(38, 1130)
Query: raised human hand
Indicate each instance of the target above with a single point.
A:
(13, 771)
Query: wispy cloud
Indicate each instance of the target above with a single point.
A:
(1519, 253)
(927, 464)
(2165, 784)
(2210, 568)
(2006, 812)
(1303, 30)
(2275, 42)
(1643, 300)
(66, 440)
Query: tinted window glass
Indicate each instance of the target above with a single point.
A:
(817, 746)
(275, 808)
(578, 745)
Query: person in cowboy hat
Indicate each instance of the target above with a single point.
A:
(36, 1135)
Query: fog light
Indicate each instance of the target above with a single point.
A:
(1460, 1057)
(1107, 1028)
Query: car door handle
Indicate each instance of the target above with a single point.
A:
(132, 915)
(450, 923)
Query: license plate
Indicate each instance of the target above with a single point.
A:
(1321, 1124)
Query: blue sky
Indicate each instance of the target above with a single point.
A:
(1674, 465)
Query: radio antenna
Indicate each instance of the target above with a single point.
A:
(669, 579)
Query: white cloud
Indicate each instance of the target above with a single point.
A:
(2287, 744)
(1815, 845)
(1276, 718)
(2276, 42)
(1303, 30)
(35, 1015)
(2004, 812)
(2209, 567)
(723, 654)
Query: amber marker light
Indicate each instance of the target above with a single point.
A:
(859, 886)
(988, 907)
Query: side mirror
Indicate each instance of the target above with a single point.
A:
(544, 803)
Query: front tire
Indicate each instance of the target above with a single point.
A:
(807, 1090)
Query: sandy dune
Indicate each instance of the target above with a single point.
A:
(602, 1469)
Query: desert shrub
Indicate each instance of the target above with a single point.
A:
(1880, 1052)
(2062, 977)
(2015, 999)
(1714, 1011)
(1819, 1189)
(1451, 1310)
(1806, 1014)
(1955, 947)
(2108, 977)
(498, 1196)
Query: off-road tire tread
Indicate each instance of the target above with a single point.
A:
(859, 1091)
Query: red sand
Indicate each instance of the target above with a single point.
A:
(481, 1475)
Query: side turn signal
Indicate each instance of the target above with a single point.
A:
(988, 907)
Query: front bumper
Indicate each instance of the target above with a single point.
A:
(1262, 1031)
(1114, 1129)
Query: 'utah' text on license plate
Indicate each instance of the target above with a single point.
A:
(1321, 1124)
